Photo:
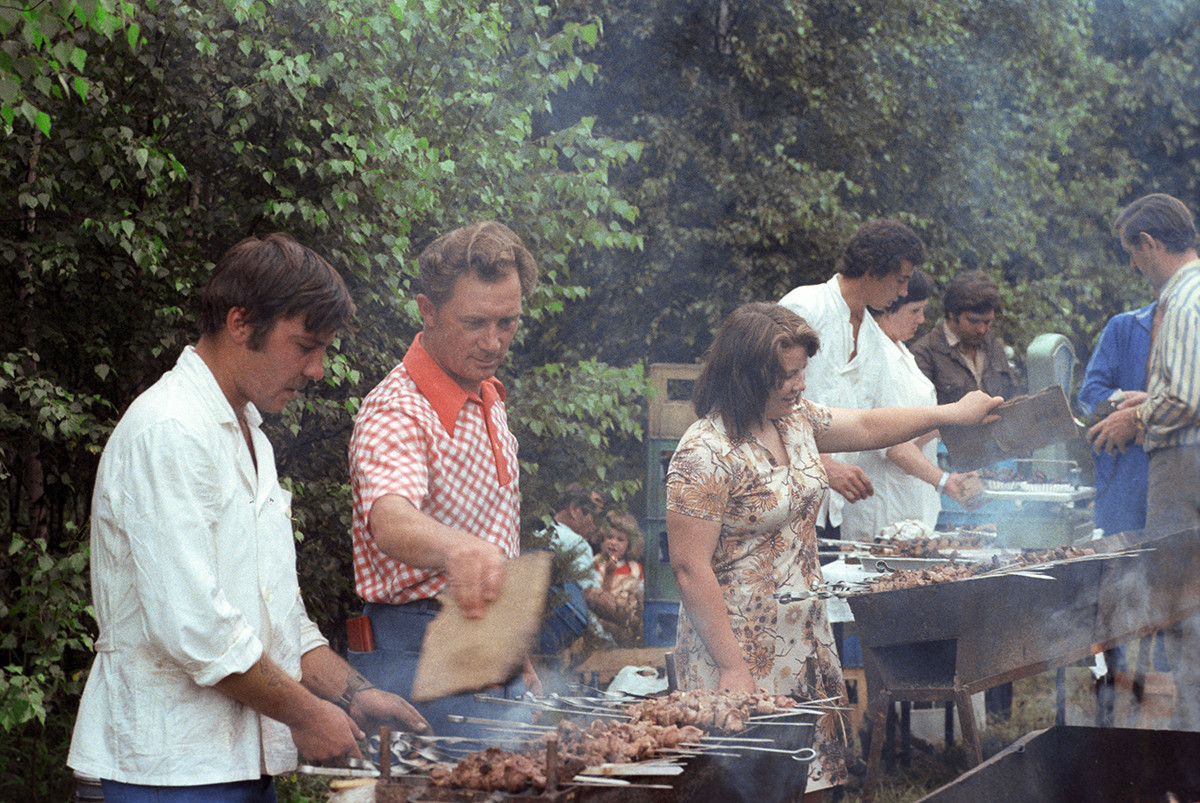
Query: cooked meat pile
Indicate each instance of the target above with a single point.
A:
(940, 574)
(601, 742)
(708, 709)
(619, 741)
(493, 770)
(926, 547)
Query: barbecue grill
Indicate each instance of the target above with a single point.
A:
(948, 641)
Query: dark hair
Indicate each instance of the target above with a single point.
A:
(575, 496)
(920, 287)
(744, 363)
(274, 277)
(878, 248)
(488, 250)
(1163, 217)
(971, 291)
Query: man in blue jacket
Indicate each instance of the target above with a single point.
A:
(1116, 372)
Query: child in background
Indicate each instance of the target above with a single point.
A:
(619, 573)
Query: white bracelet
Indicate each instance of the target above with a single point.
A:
(941, 484)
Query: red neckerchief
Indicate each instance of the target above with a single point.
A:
(447, 398)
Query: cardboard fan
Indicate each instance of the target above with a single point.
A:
(462, 655)
(1026, 423)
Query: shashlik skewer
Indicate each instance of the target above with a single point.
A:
(601, 780)
(540, 706)
(458, 719)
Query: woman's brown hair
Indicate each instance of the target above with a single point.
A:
(744, 363)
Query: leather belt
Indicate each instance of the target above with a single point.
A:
(427, 604)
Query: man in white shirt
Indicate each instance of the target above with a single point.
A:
(873, 271)
(209, 676)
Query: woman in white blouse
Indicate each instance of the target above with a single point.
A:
(906, 477)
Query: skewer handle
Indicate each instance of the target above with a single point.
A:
(551, 763)
(385, 753)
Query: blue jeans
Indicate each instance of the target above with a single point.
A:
(399, 631)
(566, 621)
(258, 791)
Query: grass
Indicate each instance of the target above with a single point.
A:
(296, 788)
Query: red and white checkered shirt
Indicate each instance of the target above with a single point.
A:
(448, 452)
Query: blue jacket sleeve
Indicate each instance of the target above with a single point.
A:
(1102, 375)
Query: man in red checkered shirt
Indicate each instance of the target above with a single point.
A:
(433, 465)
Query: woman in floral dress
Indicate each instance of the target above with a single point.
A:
(743, 490)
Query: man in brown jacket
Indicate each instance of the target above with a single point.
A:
(961, 353)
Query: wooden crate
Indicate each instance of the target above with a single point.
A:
(607, 663)
(856, 692)
(671, 410)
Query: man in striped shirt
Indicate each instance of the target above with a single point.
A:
(1159, 234)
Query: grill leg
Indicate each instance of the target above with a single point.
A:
(889, 742)
(877, 711)
(966, 721)
(1145, 654)
(1060, 696)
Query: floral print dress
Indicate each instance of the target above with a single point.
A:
(768, 544)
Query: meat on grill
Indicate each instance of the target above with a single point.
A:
(708, 709)
(911, 578)
(601, 742)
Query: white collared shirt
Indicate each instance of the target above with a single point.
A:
(193, 569)
(898, 496)
(832, 378)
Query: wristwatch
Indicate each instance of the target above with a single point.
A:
(353, 686)
(1139, 419)
(941, 484)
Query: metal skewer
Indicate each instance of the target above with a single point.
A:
(544, 707)
(655, 766)
(337, 772)
(458, 719)
(606, 699)
(813, 708)
(446, 739)
(737, 739)
(602, 780)
(767, 719)
(801, 754)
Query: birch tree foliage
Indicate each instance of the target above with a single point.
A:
(174, 128)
